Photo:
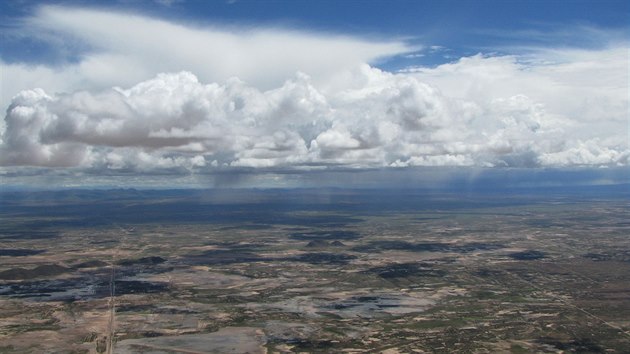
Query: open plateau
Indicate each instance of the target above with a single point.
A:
(315, 271)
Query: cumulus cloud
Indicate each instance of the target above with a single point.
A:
(101, 49)
(371, 119)
(224, 99)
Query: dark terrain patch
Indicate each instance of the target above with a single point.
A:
(28, 235)
(174, 311)
(18, 252)
(91, 264)
(323, 243)
(96, 286)
(325, 235)
(378, 246)
(324, 258)
(240, 246)
(485, 272)
(247, 227)
(135, 308)
(143, 261)
(148, 308)
(55, 289)
(306, 345)
(403, 270)
(598, 257)
(222, 257)
(528, 255)
(104, 242)
(215, 257)
(317, 244)
(124, 287)
(46, 270)
(619, 256)
(583, 345)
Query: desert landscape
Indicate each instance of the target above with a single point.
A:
(289, 271)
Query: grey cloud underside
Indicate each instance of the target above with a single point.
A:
(372, 119)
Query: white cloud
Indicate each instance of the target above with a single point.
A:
(123, 49)
(168, 3)
(239, 103)
(591, 152)
(582, 84)
(371, 119)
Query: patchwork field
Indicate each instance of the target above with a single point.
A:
(318, 271)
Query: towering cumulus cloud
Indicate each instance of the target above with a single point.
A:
(238, 104)
(370, 118)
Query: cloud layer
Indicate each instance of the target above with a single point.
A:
(368, 118)
(225, 99)
(97, 49)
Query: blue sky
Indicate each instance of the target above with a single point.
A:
(460, 27)
(196, 89)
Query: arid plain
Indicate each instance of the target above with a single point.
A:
(317, 271)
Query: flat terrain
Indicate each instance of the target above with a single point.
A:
(317, 271)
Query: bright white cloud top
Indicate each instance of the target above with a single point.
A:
(196, 98)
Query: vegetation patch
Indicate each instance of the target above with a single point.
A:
(47, 270)
(138, 287)
(324, 258)
(17, 252)
(528, 255)
(582, 345)
(404, 270)
(91, 264)
(143, 260)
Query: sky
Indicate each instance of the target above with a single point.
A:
(176, 93)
